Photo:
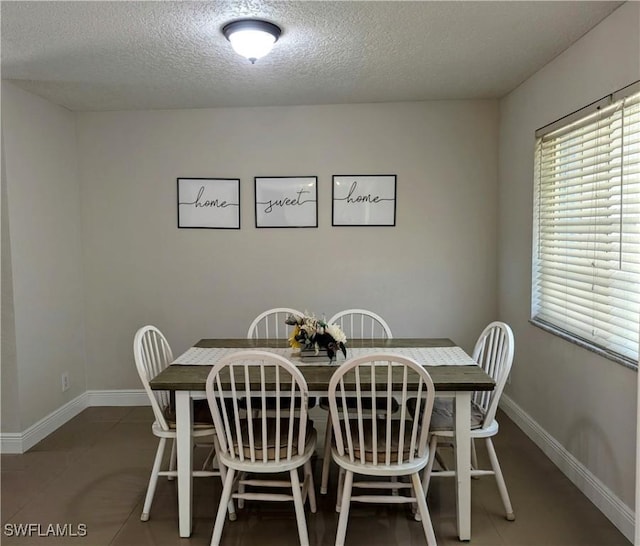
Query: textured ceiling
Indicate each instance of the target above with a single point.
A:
(92, 56)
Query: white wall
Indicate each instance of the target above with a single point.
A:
(10, 409)
(434, 274)
(45, 332)
(583, 401)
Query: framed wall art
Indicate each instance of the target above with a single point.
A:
(286, 201)
(209, 203)
(364, 200)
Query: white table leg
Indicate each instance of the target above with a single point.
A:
(463, 462)
(184, 424)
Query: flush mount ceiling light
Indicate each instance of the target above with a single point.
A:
(251, 38)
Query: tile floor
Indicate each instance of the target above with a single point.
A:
(92, 474)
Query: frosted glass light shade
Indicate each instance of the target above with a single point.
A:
(251, 38)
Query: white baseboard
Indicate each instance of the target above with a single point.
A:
(597, 492)
(11, 442)
(19, 442)
(132, 397)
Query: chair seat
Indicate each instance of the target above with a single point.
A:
(381, 437)
(285, 402)
(442, 417)
(273, 443)
(201, 415)
(381, 404)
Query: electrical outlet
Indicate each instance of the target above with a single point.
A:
(66, 384)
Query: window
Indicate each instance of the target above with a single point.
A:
(586, 251)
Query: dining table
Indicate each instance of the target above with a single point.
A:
(453, 371)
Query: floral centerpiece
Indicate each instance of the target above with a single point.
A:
(312, 334)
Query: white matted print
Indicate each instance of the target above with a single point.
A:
(364, 200)
(286, 201)
(212, 203)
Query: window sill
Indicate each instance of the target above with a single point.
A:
(624, 361)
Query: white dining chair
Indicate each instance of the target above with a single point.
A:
(356, 324)
(494, 353)
(252, 443)
(152, 354)
(377, 444)
(361, 324)
(270, 324)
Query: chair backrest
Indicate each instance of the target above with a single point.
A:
(387, 439)
(270, 324)
(244, 431)
(494, 353)
(361, 324)
(152, 354)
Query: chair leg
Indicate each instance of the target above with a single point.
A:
(232, 509)
(173, 459)
(153, 480)
(426, 473)
(340, 489)
(422, 508)
(311, 491)
(474, 455)
(502, 486)
(222, 507)
(344, 508)
(440, 460)
(326, 461)
(299, 506)
(209, 460)
(415, 509)
(241, 490)
(474, 459)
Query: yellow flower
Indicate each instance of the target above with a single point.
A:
(293, 342)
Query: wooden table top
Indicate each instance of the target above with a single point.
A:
(445, 378)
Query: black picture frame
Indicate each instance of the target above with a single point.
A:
(363, 200)
(286, 201)
(208, 203)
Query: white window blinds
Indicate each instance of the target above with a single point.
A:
(586, 255)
